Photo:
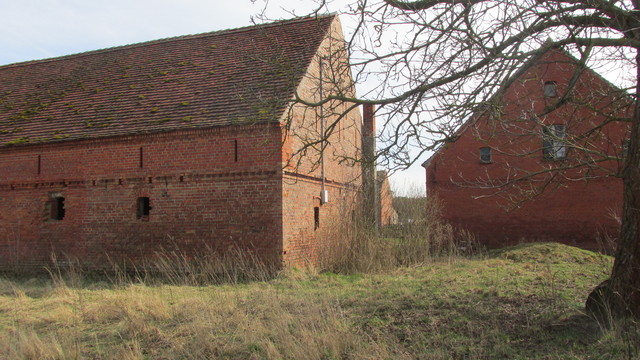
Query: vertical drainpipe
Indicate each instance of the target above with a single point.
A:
(370, 201)
(322, 190)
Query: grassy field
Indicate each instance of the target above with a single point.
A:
(524, 302)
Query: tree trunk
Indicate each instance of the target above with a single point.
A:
(619, 296)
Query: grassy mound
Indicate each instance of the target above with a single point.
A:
(524, 302)
(548, 253)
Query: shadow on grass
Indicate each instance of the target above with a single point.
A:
(478, 326)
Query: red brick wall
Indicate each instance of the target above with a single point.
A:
(302, 242)
(577, 205)
(200, 196)
(388, 215)
(302, 185)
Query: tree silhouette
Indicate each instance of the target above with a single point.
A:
(429, 65)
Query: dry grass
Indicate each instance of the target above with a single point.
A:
(357, 247)
(523, 303)
(413, 295)
(185, 322)
(234, 266)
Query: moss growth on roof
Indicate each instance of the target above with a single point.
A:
(18, 141)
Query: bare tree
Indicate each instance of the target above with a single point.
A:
(431, 64)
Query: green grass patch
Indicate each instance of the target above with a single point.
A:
(524, 302)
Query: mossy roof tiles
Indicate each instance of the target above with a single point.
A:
(221, 78)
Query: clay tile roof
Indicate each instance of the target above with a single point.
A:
(214, 79)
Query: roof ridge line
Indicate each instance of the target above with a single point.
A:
(168, 39)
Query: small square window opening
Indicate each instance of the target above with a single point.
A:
(57, 208)
(144, 207)
(550, 89)
(485, 155)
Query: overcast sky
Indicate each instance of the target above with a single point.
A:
(38, 29)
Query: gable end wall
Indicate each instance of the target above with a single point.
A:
(580, 210)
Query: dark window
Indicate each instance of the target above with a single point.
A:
(316, 218)
(485, 155)
(235, 150)
(550, 89)
(553, 142)
(144, 207)
(57, 208)
(39, 164)
(141, 158)
(625, 148)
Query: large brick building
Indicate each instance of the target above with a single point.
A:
(189, 143)
(523, 170)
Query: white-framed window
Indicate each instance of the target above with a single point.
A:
(554, 146)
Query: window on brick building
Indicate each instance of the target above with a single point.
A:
(485, 155)
(57, 207)
(553, 142)
(316, 218)
(625, 148)
(144, 207)
(550, 89)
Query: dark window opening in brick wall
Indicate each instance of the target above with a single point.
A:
(316, 218)
(57, 207)
(144, 207)
(485, 155)
(235, 150)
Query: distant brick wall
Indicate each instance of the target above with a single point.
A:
(388, 215)
(200, 196)
(579, 214)
(577, 206)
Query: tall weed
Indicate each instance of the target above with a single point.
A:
(234, 266)
(360, 247)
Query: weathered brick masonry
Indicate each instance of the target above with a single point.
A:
(174, 144)
(200, 196)
(388, 215)
(578, 205)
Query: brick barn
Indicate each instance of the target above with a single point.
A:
(191, 143)
(521, 170)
